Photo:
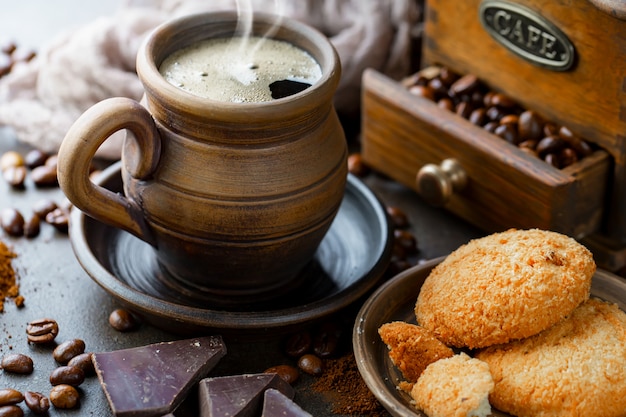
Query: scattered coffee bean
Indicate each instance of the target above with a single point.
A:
(311, 364)
(67, 350)
(326, 340)
(68, 375)
(12, 222)
(398, 217)
(44, 206)
(58, 218)
(44, 176)
(17, 363)
(11, 159)
(11, 410)
(32, 226)
(15, 176)
(406, 240)
(36, 402)
(287, 373)
(42, 331)
(298, 344)
(357, 166)
(64, 396)
(84, 362)
(122, 320)
(35, 158)
(10, 396)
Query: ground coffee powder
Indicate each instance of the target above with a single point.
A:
(341, 377)
(8, 282)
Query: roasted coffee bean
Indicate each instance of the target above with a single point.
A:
(17, 363)
(298, 344)
(581, 147)
(7, 46)
(494, 113)
(528, 144)
(447, 76)
(10, 396)
(398, 217)
(356, 165)
(478, 117)
(64, 396)
(406, 240)
(11, 159)
(58, 218)
(44, 206)
(11, 410)
(84, 362)
(437, 86)
(67, 350)
(70, 375)
(35, 158)
(15, 176)
(32, 226)
(510, 119)
(311, 364)
(422, 91)
(550, 144)
(507, 132)
(36, 402)
(465, 85)
(287, 373)
(12, 222)
(567, 157)
(44, 176)
(552, 159)
(122, 320)
(530, 126)
(491, 126)
(446, 104)
(42, 331)
(550, 129)
(326, 340)
(503, 101)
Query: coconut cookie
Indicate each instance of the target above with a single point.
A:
(412, 348)
(575, 368)
(503, 287)
(458, 386)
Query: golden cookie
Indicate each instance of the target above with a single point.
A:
(503, 287)
(575, 368)
(412, 348)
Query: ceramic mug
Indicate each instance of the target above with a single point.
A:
(234, 197)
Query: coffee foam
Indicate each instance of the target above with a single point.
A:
(238, 69)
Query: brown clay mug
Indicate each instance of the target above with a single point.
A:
(234, 197)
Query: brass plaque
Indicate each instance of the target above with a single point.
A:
(527, 34)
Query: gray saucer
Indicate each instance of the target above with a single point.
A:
(349, 263)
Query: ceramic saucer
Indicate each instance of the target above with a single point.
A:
(349, 263)
(395, 301)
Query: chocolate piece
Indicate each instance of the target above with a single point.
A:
(153, 380)
(276, 404)
(238, 395)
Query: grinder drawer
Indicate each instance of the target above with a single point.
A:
(484, 179)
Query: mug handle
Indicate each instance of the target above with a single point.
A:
(79, 146)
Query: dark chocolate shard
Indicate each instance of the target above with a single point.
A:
(276, 404)
(286, 88)
(153, 380)
(238, 395)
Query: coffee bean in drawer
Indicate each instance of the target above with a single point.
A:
(499, 114)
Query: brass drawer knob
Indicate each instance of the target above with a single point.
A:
(437, 183)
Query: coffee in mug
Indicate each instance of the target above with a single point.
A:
(241, 69)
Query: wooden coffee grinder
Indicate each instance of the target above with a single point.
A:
(565, 60)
